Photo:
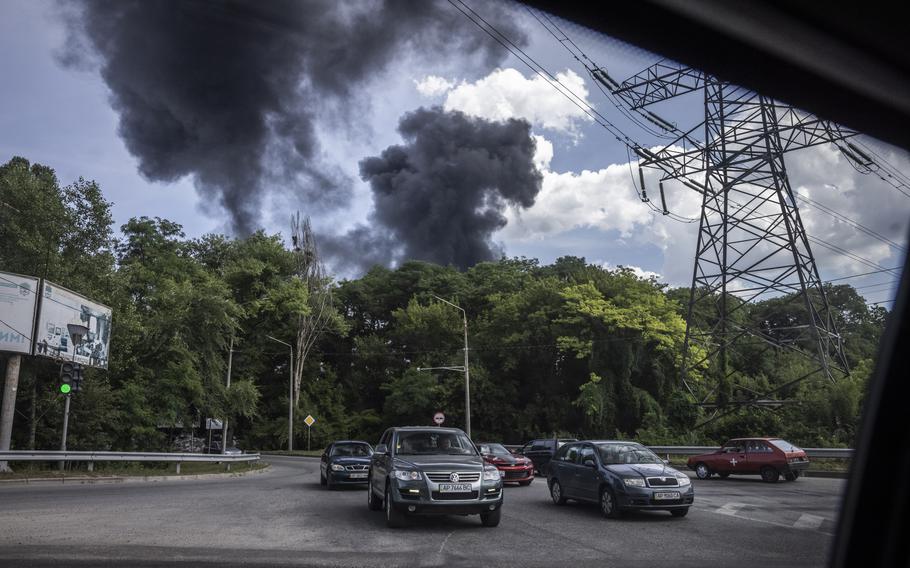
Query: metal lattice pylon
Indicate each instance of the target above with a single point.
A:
(752, 244)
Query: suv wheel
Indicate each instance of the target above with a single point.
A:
(702, 471)
(373, 503)
(608, 505)
(393, 517)
(321, 478)
(491, 519)
(556, 493)
(769, 474)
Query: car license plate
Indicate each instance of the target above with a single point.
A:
(454, 487)
(666, 495)
(358, 476)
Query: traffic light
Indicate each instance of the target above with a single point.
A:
(67, 373)
(77, 377)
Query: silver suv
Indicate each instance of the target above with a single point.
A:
(432, 471)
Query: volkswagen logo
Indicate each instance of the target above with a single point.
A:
(454, 478)
(663, 479)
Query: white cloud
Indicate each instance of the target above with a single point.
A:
(506, 93)
(433, 86)
(543, 152)
(637, 270)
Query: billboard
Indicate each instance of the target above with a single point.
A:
(18, 299)
(60, 307)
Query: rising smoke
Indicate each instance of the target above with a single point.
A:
(441, 195)
(227, 92)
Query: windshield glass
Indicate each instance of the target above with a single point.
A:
(495, 449)
(433, 443)
(614, 454)
(785, 445)
(352, 450)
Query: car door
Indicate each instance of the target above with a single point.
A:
(586, 477)
(758, 455)
(324, 461)
(731, 458)
(379, 463)
(566, 469)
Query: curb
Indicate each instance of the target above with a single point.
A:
(86, 480)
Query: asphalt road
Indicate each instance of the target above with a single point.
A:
(284, 517)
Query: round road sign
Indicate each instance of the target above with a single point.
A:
(439, 418)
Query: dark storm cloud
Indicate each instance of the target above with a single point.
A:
(442, 193)
(228, 91)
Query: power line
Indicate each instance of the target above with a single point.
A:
(865, 274)
(857, 225)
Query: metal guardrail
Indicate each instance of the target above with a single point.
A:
(838, 453)
(92, 457)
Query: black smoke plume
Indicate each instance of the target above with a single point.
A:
(441, 195)
(228, 91)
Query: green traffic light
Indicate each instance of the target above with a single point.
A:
(65, 389)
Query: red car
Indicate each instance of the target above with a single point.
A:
(768, 457)
(512, 467)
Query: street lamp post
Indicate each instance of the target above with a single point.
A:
(291, 395)
(467, 372)
(76, 331)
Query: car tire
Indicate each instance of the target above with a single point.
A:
(556, 493)
(769, 474)
(790, 476)
(525, 483)
(394, 518)
(679, 512)
(321, 478)
(491, 518)
(608, 505)
(328, 483)
(702, 471)
(373, 503)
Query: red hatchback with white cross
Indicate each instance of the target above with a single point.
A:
(771, 458)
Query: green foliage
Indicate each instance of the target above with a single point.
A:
(565, 349)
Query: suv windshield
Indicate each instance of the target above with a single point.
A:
(433, 443)
(354, 450)
(613, 454)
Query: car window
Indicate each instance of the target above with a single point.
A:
(540, 445)
(352, 450)
(586, 453)
(785, 446)
(757, 447)
(571, 454)
(431, 442)
(733, 446)
(619, 453)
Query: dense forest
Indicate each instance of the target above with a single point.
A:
(569, 348)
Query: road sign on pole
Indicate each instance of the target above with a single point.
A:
(439, 418)
(309, 421)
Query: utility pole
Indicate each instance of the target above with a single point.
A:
(224, 429)
(290, 394)
(467, 372)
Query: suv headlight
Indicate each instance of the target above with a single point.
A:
(490, 474)
(684, 480)
(406, 475)
(336, 467)
(634, 481)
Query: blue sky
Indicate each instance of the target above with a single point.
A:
(588, 207)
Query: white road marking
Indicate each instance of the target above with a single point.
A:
(807, 521)
(730, 509)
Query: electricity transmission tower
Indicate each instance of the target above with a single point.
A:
(752, 244)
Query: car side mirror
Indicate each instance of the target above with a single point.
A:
(381, 449)
(666, 462)
(590, 463)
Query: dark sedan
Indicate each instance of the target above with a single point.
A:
(619, 476)
(515, 468)
(345, 463)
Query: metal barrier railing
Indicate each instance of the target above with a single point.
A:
(92, 457)
(839, 453)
